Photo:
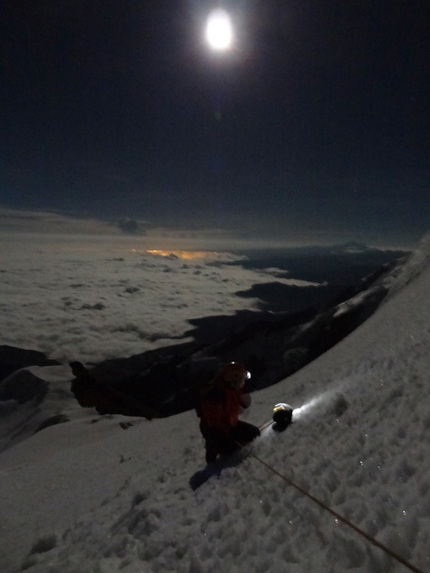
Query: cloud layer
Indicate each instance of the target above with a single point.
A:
(92, 299)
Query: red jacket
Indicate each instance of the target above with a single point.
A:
(220, 407)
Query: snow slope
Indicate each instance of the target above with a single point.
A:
(93, 495)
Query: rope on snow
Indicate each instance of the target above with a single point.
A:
(339, 516)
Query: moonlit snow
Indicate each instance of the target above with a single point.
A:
(98, 495)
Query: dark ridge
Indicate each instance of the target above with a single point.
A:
(279, 297)
(22, 387)
(12, 359)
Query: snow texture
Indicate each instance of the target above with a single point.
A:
(109, 494)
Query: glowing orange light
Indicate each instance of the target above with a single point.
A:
(180, 254)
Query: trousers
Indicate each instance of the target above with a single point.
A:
(218, 443)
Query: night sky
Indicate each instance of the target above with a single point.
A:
(315, 126)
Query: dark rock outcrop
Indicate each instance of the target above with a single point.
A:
(91, 392)
(12, 359)
(22, 387)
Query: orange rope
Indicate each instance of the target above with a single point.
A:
(340, 517)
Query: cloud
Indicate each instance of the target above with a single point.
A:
(22, 221)
(91, 299)
(30, 221)
(130, 226)
(183, 238)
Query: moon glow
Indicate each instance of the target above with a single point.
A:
(219, 31)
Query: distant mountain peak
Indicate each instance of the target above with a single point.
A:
(354, 247)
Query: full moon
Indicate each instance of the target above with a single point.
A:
(219, 32)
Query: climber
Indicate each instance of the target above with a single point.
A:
(218, 409)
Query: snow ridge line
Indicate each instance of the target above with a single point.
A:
(339, 516)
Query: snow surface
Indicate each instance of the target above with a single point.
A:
(93, 495)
